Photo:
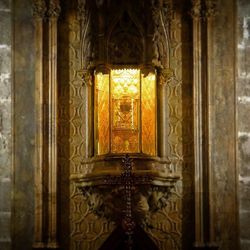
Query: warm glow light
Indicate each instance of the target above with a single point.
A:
(125, 92)
(148, 114)
(125, 107)
(102, 114)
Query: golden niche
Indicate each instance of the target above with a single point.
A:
(125, 112)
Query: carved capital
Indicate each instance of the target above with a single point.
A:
(165, 76)
(87, 78)
(39, 8)
(196, 10)
(54, 8)
(211, 8)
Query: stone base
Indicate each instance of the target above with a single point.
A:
(44, 246)
(206, 247)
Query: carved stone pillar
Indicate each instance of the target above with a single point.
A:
(204, 229)
(45, 235)
(88, 114)
(210, 11)
(53, 13)
(196, 14)
(164, 76)
(39, 9)
(162, 13)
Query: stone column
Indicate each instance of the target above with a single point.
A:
(39, 9)
(53, 13)
(88, 114)
(202, 12)
(163, 78)
(210, 10)
(198, 128)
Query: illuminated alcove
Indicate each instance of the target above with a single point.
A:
(125, 112)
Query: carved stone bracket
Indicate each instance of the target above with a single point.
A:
(109, 202)
(127, 199)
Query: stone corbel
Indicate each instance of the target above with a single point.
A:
(109, 202)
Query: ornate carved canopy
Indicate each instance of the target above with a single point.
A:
(124, 32)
